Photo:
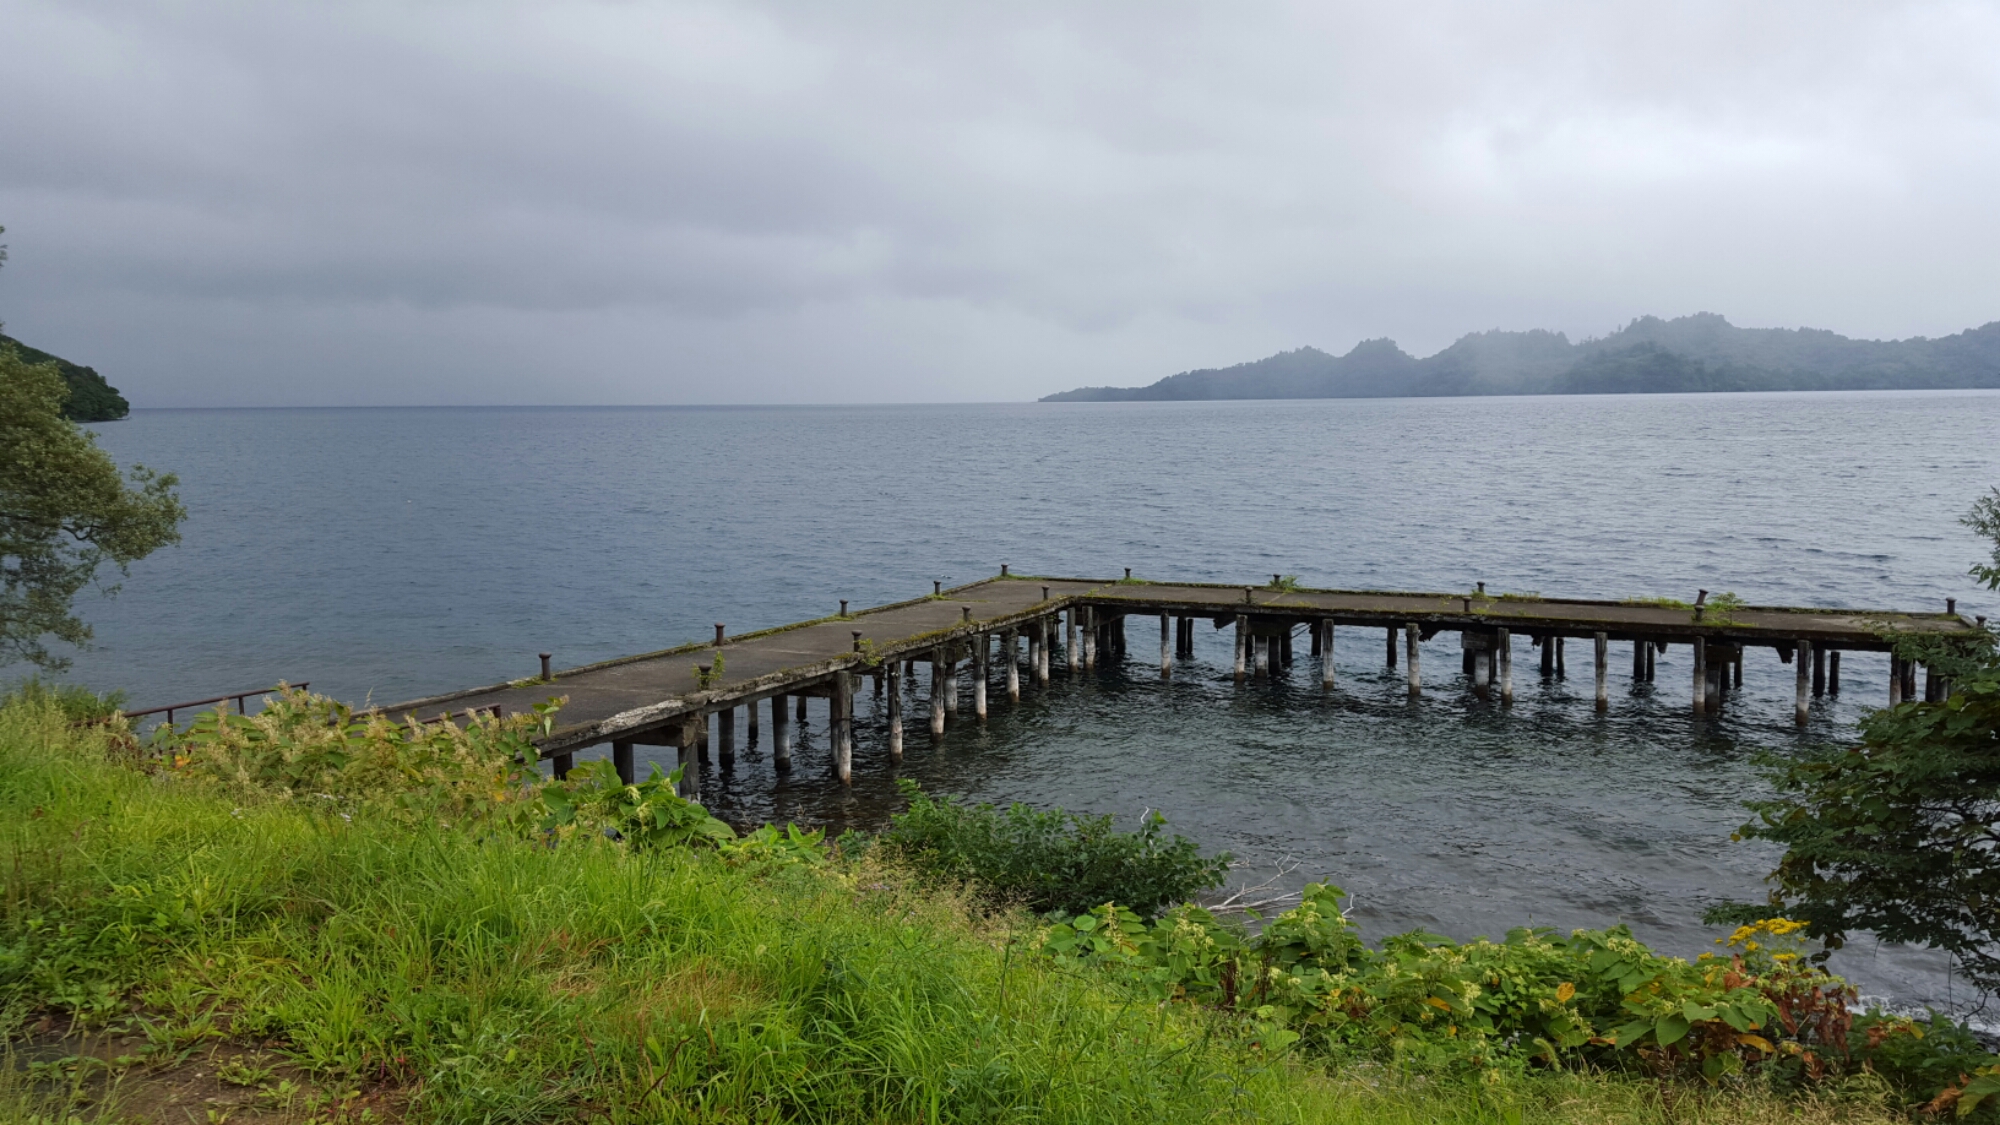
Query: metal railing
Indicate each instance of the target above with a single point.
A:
(239, 697)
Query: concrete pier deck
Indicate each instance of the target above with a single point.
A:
(651, 698)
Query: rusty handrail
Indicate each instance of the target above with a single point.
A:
(239, 697)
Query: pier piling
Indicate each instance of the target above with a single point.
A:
(843, 726)
(1505, 650)
(1325, 646)
(980, 675)
(1242, 638)
(621, 760)
(937, 694)
(895, 713)
(781, 734)
(1700, 676)
(1011, 642)
(1806, 666)
(1411, 635)
(1602, 645)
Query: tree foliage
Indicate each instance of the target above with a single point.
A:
(65, 510)
(1900, 834)
(1984, 520)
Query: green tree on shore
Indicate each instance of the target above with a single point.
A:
(65, 510)
(1900, 835)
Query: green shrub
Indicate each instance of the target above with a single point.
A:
(1049, 861)
(1597, 998)
(76, 703)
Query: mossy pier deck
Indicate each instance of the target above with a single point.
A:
(986, 638)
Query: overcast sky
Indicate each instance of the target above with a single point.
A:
(361, 203)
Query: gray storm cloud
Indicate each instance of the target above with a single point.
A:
(365, 203)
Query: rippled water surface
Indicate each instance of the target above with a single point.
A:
(387, 554)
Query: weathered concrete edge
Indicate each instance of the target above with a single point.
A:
(655, 716)
(678, 650)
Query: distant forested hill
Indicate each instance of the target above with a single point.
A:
(91, 399)
(1703, 352)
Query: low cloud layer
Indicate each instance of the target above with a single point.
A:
(490, 203)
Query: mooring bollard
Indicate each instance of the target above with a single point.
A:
(718, 632)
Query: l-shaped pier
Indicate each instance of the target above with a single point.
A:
(673, 697)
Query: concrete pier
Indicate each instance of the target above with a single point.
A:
(655, 698)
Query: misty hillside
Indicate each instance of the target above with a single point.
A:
(1703, 352)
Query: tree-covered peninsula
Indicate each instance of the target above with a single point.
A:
(1703, 352)
(91, 399)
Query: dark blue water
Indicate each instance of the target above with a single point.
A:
(387, 554)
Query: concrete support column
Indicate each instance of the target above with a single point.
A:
(1389, 644)
(1819, 672)
(937, 694)
(1411, 637)
(1072, 657)
(1700, 676)
(1242, 640)
(1833, 672)
(621, 760)
(843, 726)
(1548, 658)
(895, 671)
(1652, 650)
(1802, 657)
(1505, 651)
(1638, 662)
(781, 734)
(1603, 646)
(1895, 679)
(1046, 637)
(1012, 643)
(980, 673)
(1326, 654)
(750, 724)
(693, 741)
(1089, 640)
(561, 764)
(1166, 647)
(725, 736)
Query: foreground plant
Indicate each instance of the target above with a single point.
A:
(1049, 861)
(1594, 999)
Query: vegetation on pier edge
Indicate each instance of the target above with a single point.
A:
(350, 919)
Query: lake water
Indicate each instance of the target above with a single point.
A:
(386, 554)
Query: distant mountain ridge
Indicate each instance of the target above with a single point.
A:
(1703, 352)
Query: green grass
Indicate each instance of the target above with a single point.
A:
(487, 979)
